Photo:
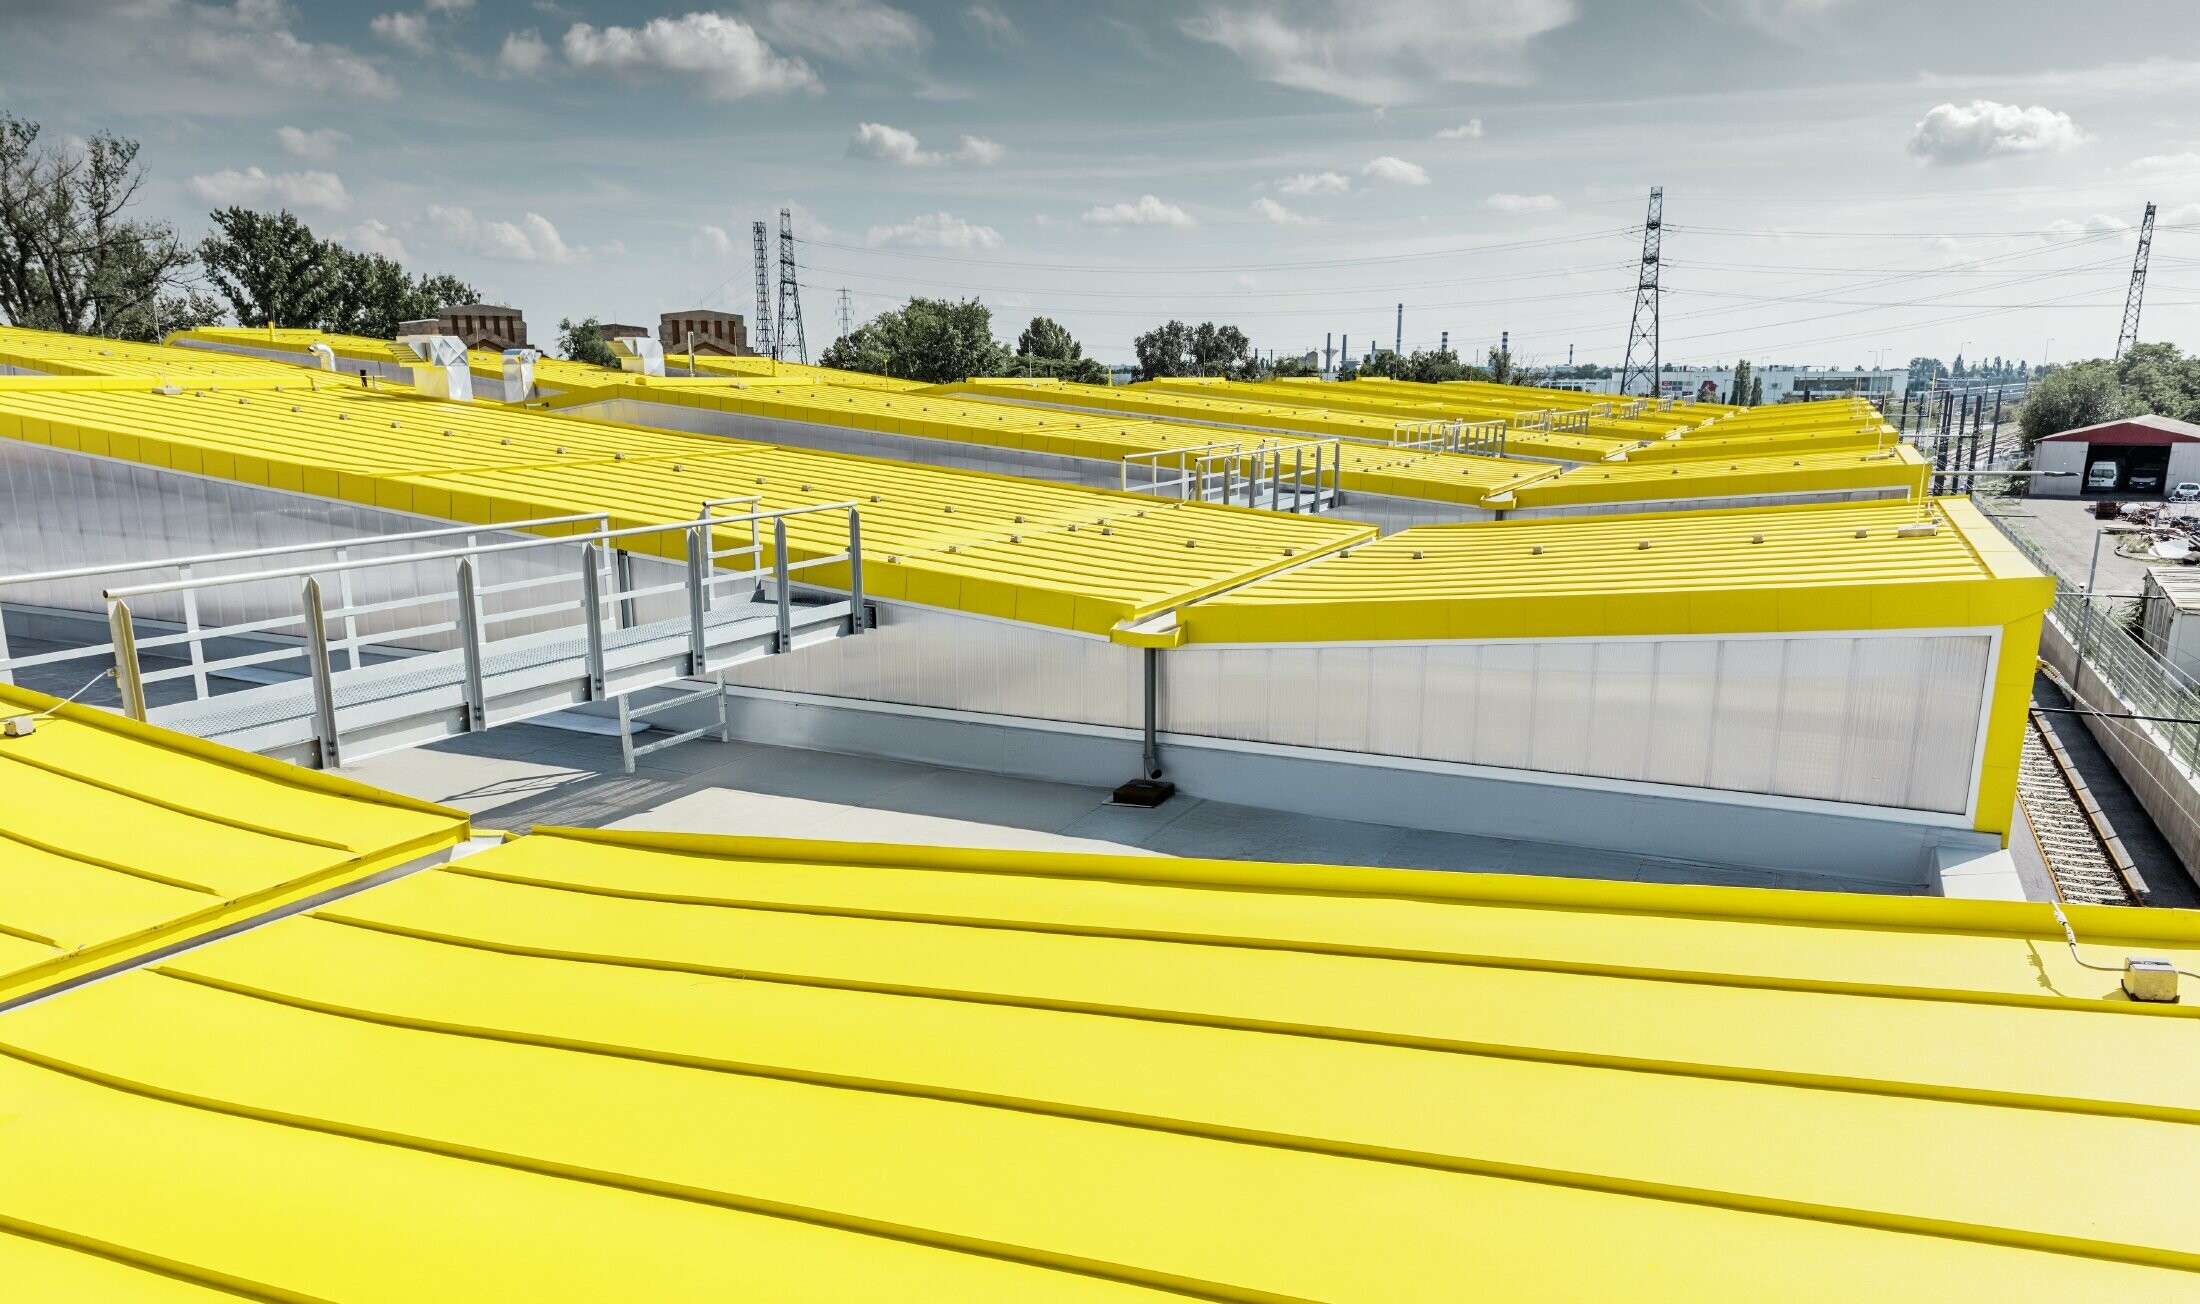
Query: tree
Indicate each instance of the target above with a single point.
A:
(1741, 381)
(936, 340)
(1082, 371)
(579, 342)
(1048, 338)
(1923, 371)
(1174, 349)
(270, 267)
(70, 258)
(1501, 365)
(1756, 391)
(374, 295)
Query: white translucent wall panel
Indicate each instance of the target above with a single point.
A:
(60, 510)
(1879, 720)
(961, 663)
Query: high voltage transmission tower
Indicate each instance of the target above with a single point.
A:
(790, 294)
(1642, 333)
(760, 331)
(847, 315)
(2129, 335)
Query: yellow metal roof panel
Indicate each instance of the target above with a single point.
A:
(941, 414)
(1765, 569)
(550, 371)
(595, 1065)
(933, 535)
(1813, 471)
(116, 838)
(53, 353)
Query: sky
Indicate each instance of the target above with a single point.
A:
(1845, 181)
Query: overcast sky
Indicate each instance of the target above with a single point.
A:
(1845, 179)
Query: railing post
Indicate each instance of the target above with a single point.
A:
(469, 646)
(1151, 757)
(127, 678)
(343, 601)
(784, 641)
(317, 669)
(856, 618)
(622, 579)
(7, 672)
(698, 579)
(191, 635)
(592, 614)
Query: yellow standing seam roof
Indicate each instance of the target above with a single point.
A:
(56, 354)
(934, 535)
(768, 1069)
(117, 838)
(488, 363)
(1441, 477)
(1847, 470)
(1752, 570)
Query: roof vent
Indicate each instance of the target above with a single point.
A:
(438, 365)
(1536, 551)
(519, 375)
(1917, 530)
(1756, 538)
(1642, 545)
(638, 354)
(1863, 534)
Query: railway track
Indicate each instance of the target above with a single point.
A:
(2082, 852)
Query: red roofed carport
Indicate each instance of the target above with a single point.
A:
(2132, 457)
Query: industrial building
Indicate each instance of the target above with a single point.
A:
(2142, 457)
(1633, 663)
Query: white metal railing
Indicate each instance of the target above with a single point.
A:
(1300, 476)
(609, 594)
(193, 567)
(1452, 435)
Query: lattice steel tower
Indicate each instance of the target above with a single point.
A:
(2129, 335)
(1642, 334)
(847, 315)
(790, 293)
(760, 332)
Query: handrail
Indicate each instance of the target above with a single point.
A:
(368, 563)
(204, 559)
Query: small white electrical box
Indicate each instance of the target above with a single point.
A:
(2149, 979)
(18, 726)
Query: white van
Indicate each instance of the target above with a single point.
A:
(2101, 475)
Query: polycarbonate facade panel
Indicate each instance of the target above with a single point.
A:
(919, 657)
(1880, 719)
(60, 510)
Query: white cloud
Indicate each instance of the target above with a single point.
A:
(407, 30)
(2099, 224)
(1970, 133)
(1395, 170)
(2158, 164)
(1471, 129)
(1505, 202)
(888, 144)
(844, 31)
(1397, 52)
(524, 54)
(936, 231)
(251, 42)
(725, 56)
(1277, 213)
(1314, 183)
(713, 242)
(532, 239)
(322, 143)
(1148, 211)
(993, 27)
(253, 188)
(977, 150)
(375, 237)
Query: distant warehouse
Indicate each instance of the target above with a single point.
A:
(2137, 456)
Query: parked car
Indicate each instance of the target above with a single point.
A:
(2102, 475)
(2144, 482)
(2185, 492)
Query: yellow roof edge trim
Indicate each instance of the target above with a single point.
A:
(279, 771)
(122, 950)
(2099, 925)
(1281, 562)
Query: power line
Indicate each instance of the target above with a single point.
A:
(1457, 251)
